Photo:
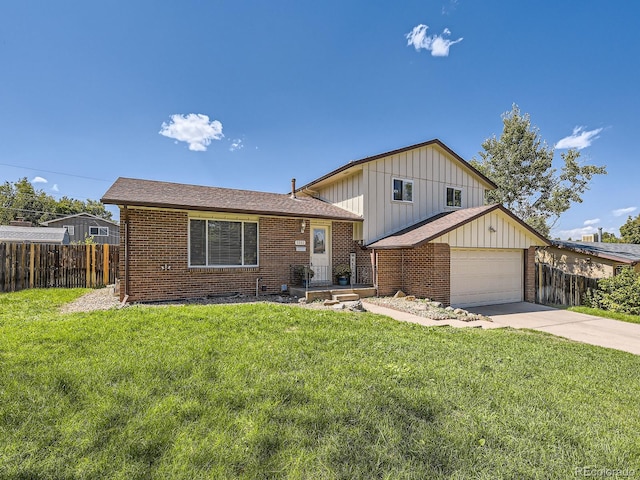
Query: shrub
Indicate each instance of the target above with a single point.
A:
(620, 293)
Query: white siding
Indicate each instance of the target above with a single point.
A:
(432, 170)
(477, 234)
(367, 191)
(346, 193)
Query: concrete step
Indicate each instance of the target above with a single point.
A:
(345, 297)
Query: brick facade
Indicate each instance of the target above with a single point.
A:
(423, 271)
(530, 275)
(344, 245)
(158, 257)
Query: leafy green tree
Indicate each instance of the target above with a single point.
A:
(630, 231)
(520, 163)
(21, 199)
(609, 238)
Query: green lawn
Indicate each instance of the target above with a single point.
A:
(264, 391)
(607, 314)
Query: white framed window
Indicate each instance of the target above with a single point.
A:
(99, 231)
(402, 190)
(223, 243)
(70, 229)
(454, 197)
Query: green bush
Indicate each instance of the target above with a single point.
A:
(620, 293)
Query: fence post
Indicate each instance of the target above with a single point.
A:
(87, 280)
(94, 280)
(32, 259)
(105, 264)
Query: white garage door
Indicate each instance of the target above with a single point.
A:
(486, 276)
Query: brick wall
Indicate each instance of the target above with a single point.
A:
(427, 272)
(344, 245)
(159, 237)
(530, 275)
(423, 271)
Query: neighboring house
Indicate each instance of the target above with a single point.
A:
(84, 225)
(415, 219)
(590, 259)
(12, 234)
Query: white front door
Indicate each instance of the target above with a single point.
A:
(321, 253)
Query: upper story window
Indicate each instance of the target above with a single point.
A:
(454, 197)
(402, 190)
(98, 231)
(219, 243)
(70, 229)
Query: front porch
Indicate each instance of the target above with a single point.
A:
(333, 292)
(315, 282)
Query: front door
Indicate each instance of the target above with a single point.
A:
(321, 253)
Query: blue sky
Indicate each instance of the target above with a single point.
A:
(248, 94)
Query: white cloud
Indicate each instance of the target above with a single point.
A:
(580, 138)
(55, 187)
(450, 7)
(193, 128)
(438, 45)
(623, 211)
(39, 180)
(576, 233)
(593, 221)
(236, 145)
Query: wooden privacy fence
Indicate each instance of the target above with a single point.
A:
(555, 287)
(41, 266)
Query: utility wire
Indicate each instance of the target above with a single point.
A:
(55, 173)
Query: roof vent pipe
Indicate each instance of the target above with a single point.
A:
(600, 234)
(293, 188)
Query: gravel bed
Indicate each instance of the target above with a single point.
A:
(100, 299)
(426, 308)
(104, 299)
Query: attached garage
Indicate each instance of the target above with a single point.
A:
(484, 276)
(465, 258)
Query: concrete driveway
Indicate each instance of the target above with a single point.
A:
(575, 326)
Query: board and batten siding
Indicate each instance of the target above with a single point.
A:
(346, 192)
(477, 234)
(369, 191)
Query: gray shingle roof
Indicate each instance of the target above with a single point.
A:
(622, 252)
(440, 224)
(151, 193)
(34, 235)
(78, 215)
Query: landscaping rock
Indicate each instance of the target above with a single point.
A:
(354, 306)
(399, 294)
(328, 303)
(436, 304)
(410, 298)
(459, 311)
(449, 309)
(302, 300)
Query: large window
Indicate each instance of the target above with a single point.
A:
(402, 190)
(98, 231)
(218, 243)
(454, 197)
